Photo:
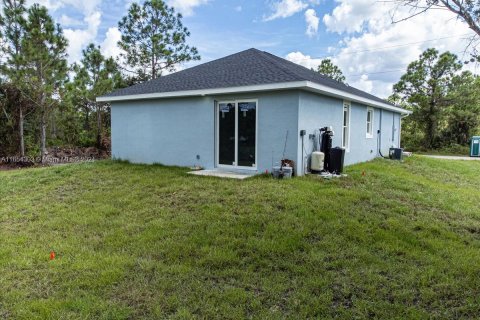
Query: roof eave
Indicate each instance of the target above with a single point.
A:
(318, 88)
(301, 85)
(205, 92)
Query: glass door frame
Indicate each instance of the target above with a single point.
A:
(217, 134)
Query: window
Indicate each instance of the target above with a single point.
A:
(346, 126)
(369, 123)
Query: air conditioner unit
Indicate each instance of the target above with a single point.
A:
(317, 161)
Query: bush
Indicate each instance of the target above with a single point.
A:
(86, 139)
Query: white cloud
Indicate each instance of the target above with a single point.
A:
(128, 3)
(186, 6)
(304, 60)
(285, 9)
(372, 48)
(51, 5)
(363, 84)
(109, 46)
(78, 39)
(85, 6)
(351, 15)
(67, 21)
(312, 22)
(238, 8)
(79, 33)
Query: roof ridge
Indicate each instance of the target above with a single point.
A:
(245, 68)
(273, 60)
(177, 73)
(299, 66)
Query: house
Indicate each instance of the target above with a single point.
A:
(235, 113)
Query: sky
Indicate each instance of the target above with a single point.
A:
(363, 37)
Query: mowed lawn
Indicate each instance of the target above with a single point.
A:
(135, 241)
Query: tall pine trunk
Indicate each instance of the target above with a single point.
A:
(431, 126)
(86, 123)
(43, 129)
(20, 132)
(54, 125)
(43, 138)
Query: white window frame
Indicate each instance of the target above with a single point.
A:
(346, 142)
(370, 110)
(217, 135)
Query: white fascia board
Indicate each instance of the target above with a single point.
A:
(315, 87)
(305, 85)
(205, 92)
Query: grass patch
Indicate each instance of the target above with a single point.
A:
(135, 241)
(452, 150)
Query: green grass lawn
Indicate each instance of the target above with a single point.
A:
(137, 241)
(455, 150)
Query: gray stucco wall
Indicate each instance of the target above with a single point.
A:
(317, 111)
(362, 148)
(175, 131)
(277, 114)
(168, 131)
(389, 124)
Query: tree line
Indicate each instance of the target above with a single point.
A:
(45, 101)
(443, 98)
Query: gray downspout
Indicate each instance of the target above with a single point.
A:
(215, 103)
(379, 151)
(393, 130)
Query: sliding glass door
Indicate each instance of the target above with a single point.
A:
(226, 136)
(237, 133)
(247, 130)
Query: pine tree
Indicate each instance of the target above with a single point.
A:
(95, 75)
(44, 65)
(12, 25)
(154, 40)
(424, 87)
(328, 69)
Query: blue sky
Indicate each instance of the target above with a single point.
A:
(241, 25)
(358, 35)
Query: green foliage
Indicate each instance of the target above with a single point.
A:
(425, 89)
(8, 141)
(11, 101)
(94, 76)
(152, 242)
(154, 40)
(328, 69)
(451, 149)
(12, 31)
(43, 64)
(463, 111)
(97, 74)
(46, 101)
(12, 26)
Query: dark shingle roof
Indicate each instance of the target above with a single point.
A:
(249, 67)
